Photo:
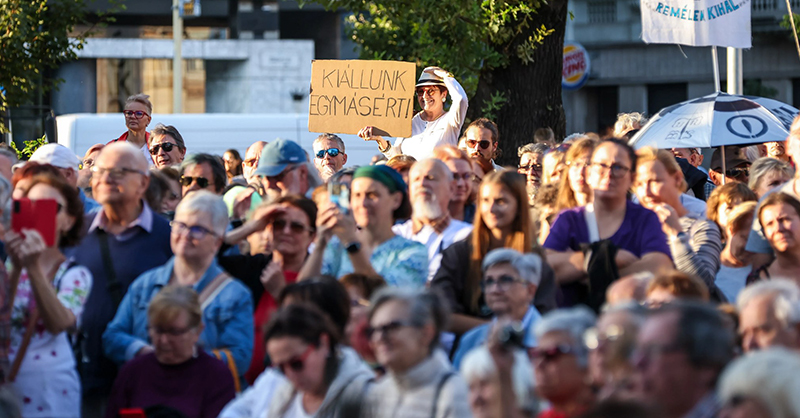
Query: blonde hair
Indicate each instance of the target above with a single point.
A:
(451, 153)
(566, 196)
(666, 158)
(627, 122)
(140, 98)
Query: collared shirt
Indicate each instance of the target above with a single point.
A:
(143, 221)
(708, 407)
(496, 167)
(435, 241)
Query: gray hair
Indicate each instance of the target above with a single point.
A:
(628, 122)
(424, 307)
(702, 333)
(765, 165)
(203, 201)
(170, 131)
(528, 266)
(574, 138)
(479, 364)
(143, 99)
(771, 376)
(217, 168)
(574, 321)
(535, 148)
(331, 137)
(786, 302)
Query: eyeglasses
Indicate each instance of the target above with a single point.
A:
(484, 144)
(617, 171)
(737, 172)
(386, 329)
(529, 167)
(88, 163)
(172, 332)
(166, 146)
(295, 227)
(503, 282)
(196, 232)
(115, 173)
(138, 114)
(333, 152)
(250, 162)
(296, 363)
(550, 353)
(186, 181)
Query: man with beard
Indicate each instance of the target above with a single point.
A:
(481, 137)
(777, 150)
(431, 186)
(329, 155)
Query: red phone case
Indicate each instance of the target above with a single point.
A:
(132, 413)
(35, 214)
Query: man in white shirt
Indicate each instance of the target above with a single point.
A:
(481, 141)
(431, 185)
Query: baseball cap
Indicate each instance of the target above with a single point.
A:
(428, 79)
(56, 155)
(277, 155)
(734, 156)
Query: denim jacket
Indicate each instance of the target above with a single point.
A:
(228, 318)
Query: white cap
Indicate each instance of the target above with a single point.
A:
(56, 155)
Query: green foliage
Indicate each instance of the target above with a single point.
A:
(492, 106)
(464, 37)
(30, 147)
(787, 24)
(36, 36)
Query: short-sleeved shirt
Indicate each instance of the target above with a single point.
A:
(401, 262)
(640, 232)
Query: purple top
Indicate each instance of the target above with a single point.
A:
(200, 387)
(640, 232)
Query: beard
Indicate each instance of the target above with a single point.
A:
(427, 208)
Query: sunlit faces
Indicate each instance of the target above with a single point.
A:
(398, 345)
(165, 151)
(462, 173)
(232, 163)
(530, 164)
(506, 293)
(290, 232)
(429, 189)
(577, 173)
(172, 196)
(174, 341)
(251, 158)
(769, 181)
(197, 177)
(329, 163)
(760, 328)
(497, 205)
(776, 149)
(64, 221)
(479, 144)
(655, 186)
(781, 225)
(302, 364)
(132, 122)
(194, 245)
(431, 98)
(610, 171)
(117, 179)
(371, 202)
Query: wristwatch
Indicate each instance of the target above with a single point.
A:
(353, 247)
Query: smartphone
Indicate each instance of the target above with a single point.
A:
(339, 194)
(132, 413)
(37, 214)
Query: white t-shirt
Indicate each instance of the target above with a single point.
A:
(434, 242)
(425, 136)
(731, 280)
(296, 408)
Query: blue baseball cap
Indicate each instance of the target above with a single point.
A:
(277, 155)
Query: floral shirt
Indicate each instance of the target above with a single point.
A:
(47, 382)
(401, 262)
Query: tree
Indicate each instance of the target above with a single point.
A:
(506, 53)
(36, 36)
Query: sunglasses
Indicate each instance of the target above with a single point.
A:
(138, 114)
(504, 282)
(386, 329)
(166, 146)
(187, 181)
(296, 227)
(484, 144)
(196, 232)
(737, 172)
(296, 363)
(529, 167)
(551, 353)
(333, 152)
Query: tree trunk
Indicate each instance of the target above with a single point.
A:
(533, 91)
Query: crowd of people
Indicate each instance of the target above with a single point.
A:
(592, 280)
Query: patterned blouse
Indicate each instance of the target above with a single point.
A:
(401, 262)
(47, 382)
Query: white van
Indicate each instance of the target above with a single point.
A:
(207, 132)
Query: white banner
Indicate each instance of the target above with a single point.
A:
(697, 22)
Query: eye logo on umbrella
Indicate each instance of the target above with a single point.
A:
(746, 126)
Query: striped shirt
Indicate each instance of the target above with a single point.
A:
(697, 250)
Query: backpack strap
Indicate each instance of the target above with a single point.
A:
(438, 391)
(213, 289)
(591, 223)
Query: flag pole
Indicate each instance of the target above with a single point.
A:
(715, 59)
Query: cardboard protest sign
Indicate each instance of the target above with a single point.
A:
(698, 23)
(347, 95)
